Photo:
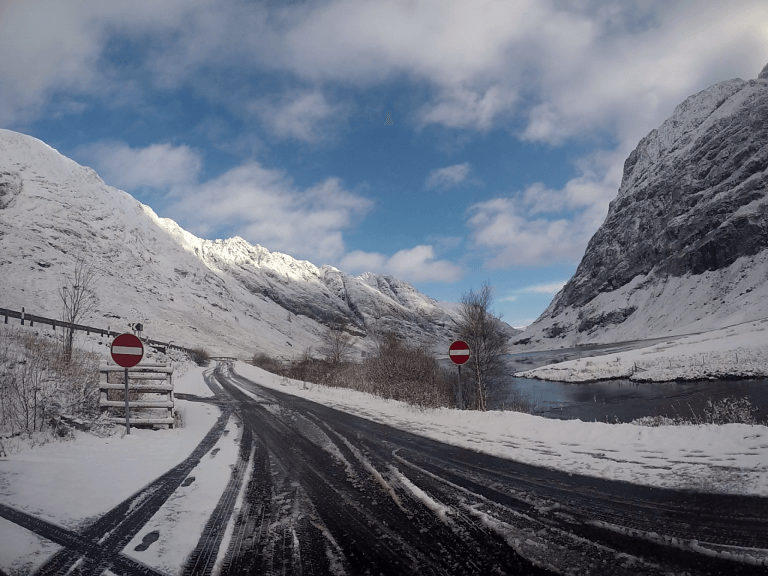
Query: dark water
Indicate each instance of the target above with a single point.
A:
(627, 400)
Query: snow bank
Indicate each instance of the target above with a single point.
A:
(730, 459)
(71, 483)
(179, 523)
(739, 351)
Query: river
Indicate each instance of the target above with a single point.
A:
(626, 400)
(622, 400)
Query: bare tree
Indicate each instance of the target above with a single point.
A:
(337, 343)
(78, 299)
(488, 344)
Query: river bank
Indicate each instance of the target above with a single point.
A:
(736, 352)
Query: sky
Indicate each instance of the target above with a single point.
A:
(510, 120)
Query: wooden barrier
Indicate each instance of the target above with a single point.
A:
(143, 379)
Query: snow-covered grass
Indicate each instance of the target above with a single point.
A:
(730, 458)
(736, 352)
(72, 483)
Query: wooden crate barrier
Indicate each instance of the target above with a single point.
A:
(142, 379)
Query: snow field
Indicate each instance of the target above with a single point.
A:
(180, 521)
(72, 483)
(735, 351)
(731, 459)
(22, 551)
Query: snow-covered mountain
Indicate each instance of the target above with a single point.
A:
(684, 247)
(227, 295)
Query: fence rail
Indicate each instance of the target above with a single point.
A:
(164, 381)
(34, 318)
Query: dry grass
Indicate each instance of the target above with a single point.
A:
(38, 384)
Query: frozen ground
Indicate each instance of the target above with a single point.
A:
(72, 483)
(736, 351)
(730, 459)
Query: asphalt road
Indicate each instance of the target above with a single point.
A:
(331, 493)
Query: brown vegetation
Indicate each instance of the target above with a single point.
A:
(398, 371)
(41, 380)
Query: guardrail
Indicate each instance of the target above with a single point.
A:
(32, 318)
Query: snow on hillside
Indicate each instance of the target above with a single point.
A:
(229, 296)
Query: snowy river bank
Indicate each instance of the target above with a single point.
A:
(735, 352)
(624, 400)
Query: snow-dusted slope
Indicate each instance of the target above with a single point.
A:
(227, 295)
(684, 247)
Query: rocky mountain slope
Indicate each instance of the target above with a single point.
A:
(227, 295)
(684, 247)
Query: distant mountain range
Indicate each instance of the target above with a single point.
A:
(684, 247)
(226, 295)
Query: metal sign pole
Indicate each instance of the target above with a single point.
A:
(461, 400)
(127, 408)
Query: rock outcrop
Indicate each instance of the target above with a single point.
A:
(683, 247)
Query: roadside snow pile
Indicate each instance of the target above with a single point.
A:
(729, 459)
(739, 351)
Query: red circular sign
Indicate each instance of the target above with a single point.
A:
(459, 352)
(127, 350)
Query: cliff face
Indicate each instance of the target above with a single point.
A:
(684, 244)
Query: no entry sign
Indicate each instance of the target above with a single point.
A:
(459, 352)
(127, 350)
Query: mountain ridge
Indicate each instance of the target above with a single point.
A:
(225, 294)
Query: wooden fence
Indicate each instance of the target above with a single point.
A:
(143, 380)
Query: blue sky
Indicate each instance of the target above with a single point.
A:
(511, 119)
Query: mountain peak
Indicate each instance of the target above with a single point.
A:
(684, 246)
(763, 72)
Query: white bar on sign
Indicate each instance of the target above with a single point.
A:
(458, 352)
(127, 350)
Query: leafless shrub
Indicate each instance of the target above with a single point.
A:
(200, 356)
(40, 382)
(78, 299)
(488, 344)
(408, 373)
(266, 362)
(398, 371)
(337, 343)
(729, 410)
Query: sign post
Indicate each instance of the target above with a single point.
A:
(458, 352)
(127, 351)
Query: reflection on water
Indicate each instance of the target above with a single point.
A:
(626, 400)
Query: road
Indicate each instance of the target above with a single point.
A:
(330, 493)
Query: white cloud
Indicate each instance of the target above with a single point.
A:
(416, 264)
(549, 288)
(448, 177)
(156, 166)
(265, 207)
(540, 226)
(303, 116)
(566, 68)
(511, 298)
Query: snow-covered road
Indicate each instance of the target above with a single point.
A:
(344, 494)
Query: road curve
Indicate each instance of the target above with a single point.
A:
(331, 493)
